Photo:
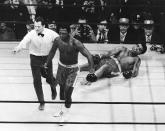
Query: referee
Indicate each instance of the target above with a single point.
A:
(39, 41)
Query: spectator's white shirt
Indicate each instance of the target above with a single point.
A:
(38, 45)
(122, 36)
(148, 38)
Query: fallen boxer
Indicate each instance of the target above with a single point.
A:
(116, 61)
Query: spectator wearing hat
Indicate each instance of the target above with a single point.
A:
(120, 33)
(150, 36)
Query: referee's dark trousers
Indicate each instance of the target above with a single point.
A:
(37, 63)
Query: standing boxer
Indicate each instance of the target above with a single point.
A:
(69, 49)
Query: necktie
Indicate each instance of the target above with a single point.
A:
(100, 37)
(122, 37)
(148, 38)
(40, 34)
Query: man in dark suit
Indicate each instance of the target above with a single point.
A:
(121, 33)
(150, 36)
(102, 32)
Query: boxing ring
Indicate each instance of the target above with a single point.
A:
(112, 104)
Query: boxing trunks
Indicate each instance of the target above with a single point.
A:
(118, 65)
(66, 74)
(114, 66)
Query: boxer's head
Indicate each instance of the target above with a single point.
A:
(148, 27)
(96, 59)
(138, 50)
(124, 25)
(64, 32)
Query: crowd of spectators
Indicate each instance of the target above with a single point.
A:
(91, 21)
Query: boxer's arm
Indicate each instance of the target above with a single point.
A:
(52, 51)
(136, 67)
(84, 51)
(113, 52)
(23, 44)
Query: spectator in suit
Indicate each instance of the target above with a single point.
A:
(102, 32)
(150, 35)
(121, 33)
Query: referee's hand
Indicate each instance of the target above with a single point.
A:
(15, 50)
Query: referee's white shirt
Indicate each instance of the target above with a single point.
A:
(38, 45)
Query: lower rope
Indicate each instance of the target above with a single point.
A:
(92, 123)
(88, 102)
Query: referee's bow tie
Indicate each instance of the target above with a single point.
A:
(40, 34)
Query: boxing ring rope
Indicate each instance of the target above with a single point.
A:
(82, 123)
(81, 102)
(98, 123)
(86, 102)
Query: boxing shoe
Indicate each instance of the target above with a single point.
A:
(41, 106)
(59, 109)
(64, 117)
(68, 103)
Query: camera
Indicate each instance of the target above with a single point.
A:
(84, 30)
